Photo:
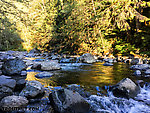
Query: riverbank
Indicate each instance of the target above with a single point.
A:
(20, 80)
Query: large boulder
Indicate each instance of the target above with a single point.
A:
(33, 89)
(67, 101)
(87, 58)
(9, 103)
(126, 88)
(13, 66)
(50, 65)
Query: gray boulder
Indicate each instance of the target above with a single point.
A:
(50, 65)
(126, 88)
(5, 91)
(87, 58)
(7, 86)
(13, 101)
(33, 89)
(12, 67)
(147, 72)
(67, 101)
(4, 81)
(44, 74)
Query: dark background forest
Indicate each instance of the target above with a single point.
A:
(76, 26)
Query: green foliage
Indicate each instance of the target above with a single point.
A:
(79, 26)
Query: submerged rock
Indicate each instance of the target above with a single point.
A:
(67, 101)
(44, 74)
(87, 58)
(107, 64)
(12, 102)
(33, 89)
(126, 88)
(12, 67)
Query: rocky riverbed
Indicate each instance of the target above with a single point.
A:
(38, 82)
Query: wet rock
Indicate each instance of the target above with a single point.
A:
(33, 89)
(107, 64)
(126, 88)
(67, 101)
(10, 102)
(140, 67)
(87, 58)
(44, 74)
(12, 67)
(147, 72)
(137, 73)
(20, 84)
(5, 91)
(77, 88)
(4, 81)
(50, 65)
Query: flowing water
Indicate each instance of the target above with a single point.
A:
(97, 79)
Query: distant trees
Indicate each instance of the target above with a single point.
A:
(79, 26)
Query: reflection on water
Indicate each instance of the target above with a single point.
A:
(85, 75)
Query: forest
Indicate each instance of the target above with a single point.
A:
(76, 26)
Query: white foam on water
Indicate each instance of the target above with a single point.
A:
(111, 104)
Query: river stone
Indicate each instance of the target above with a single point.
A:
(126, 88)
(33, 89)
(44, 74)
(67, 101)
(5, 91)
(12, 67)
(147, 72)
(4, 81)
(50, 65)
(13, 101)
(137, 72)
(140, 67)
(87, 58)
